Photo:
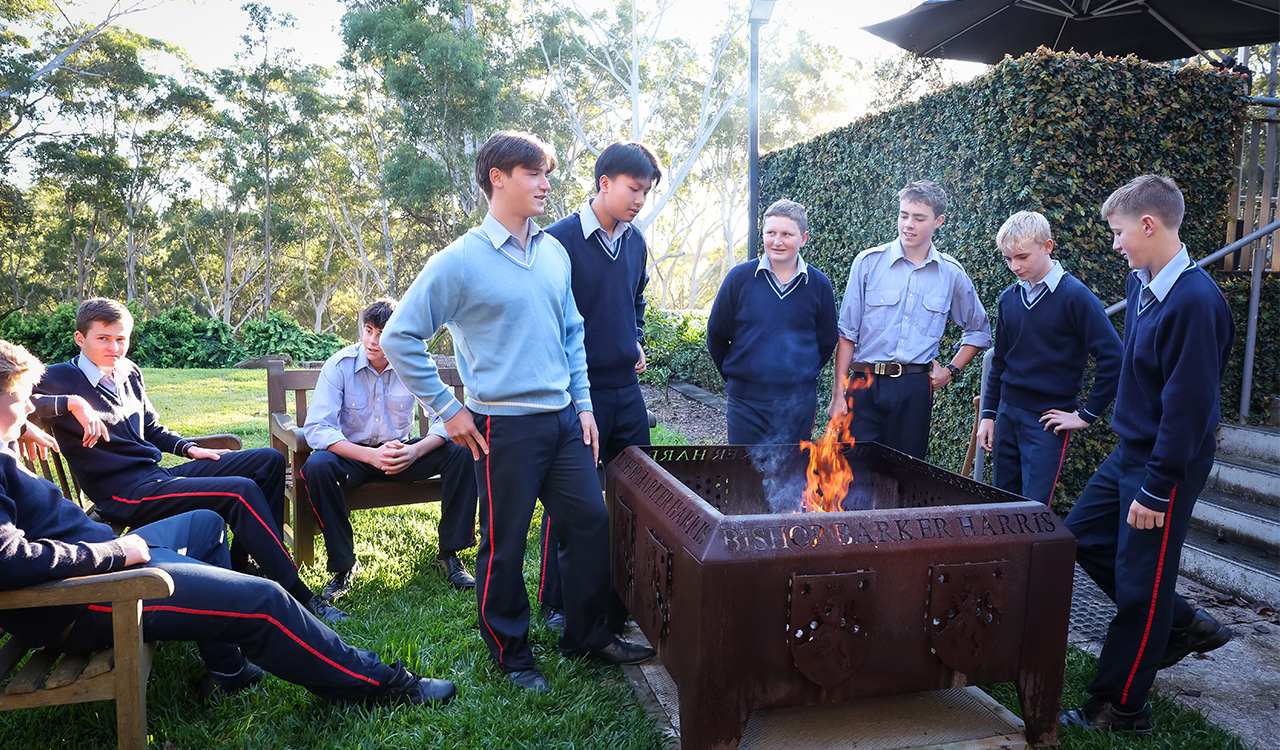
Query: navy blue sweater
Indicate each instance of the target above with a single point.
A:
(610, 295)
(1175, 353)
(45, 537)
(138, 440)
(765, 344)
(1041, 349)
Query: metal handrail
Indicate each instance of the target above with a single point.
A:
(1262, 101)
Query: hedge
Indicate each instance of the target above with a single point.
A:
(1049, 132)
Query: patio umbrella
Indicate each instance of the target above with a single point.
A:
(984, 30)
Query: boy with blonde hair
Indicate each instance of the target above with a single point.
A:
(1048, 324)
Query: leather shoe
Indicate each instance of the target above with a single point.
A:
(407, 688)
(621, 652)
(340, 584)
(554, 618)
(1103, 717)
(214, 685)
(530, 679)
(324, 611)
(1201, 635)
(456, 572)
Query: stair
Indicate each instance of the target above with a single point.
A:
(1233, 545)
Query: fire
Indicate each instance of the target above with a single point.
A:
(828, 477)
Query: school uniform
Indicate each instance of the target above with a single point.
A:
(609, 278)
(1045, 333)
(1178, 334)
(519, 341)
(355, 403)
(770, 341)
(895, 312)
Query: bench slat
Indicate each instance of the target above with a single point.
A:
(10, 654)
(31, 676)
(67, 671)
(101, 663)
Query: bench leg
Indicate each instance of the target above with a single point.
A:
(305, 528)
(130, 675)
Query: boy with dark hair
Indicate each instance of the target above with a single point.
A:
(504, 292)
(608, 257)
(1132, 518)
(894, 311)
(358, 427)
(1048, 325)
(771, 330)
(233, 618)
(111, 435)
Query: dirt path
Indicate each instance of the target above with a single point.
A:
(699, 423)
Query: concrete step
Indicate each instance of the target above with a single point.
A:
(1246, 478)
(1231, 568)
(1244, 522)
(1258, 443)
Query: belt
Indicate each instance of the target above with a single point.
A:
(892, 369)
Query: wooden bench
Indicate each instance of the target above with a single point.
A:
(286, 387)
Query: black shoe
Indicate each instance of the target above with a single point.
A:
(621, 652)
(456, 572)
(214, 685)
(407, 688)
(530, 679)
(340, 584)
(324, 611)
(1103, 717)
(1203, 634)
(554, 618)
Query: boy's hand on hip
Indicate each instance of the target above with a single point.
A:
(462, 430)
(590, 434)
(939, 376)
(986, 434)
(1058, 420)
(1141, 517)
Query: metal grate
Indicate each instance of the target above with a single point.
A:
(1091, 610)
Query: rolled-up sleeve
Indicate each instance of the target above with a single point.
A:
(432, 300)
(850, 322)
(968, 313)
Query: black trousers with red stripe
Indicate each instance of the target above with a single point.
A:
(540, 457)
(1028, 458)
(233, 616)
(246, 488)
(1138, 569)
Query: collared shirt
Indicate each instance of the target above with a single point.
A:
(1050, 282)
(507, 244)
(895, 311)
(591, 226)
(1158, 288)
(95, 375)
(354, 402)
(801, 273)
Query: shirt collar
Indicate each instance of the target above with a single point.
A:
(896, 254)
(1052, 278)
(498, 234)
(802, 268)
(1163, 282)
(90, 370)
(591, 224)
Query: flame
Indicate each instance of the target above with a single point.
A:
(828, 477)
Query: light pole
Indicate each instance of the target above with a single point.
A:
(759, 16)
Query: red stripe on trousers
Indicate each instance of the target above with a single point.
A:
(488, 573)
(311, 502)
(218, 494)
(542, 577)
(1058, 474)
(1155, 592)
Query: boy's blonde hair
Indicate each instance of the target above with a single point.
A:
(927, 192)
(1022, 227)
(791, 210)
(17, 366)
(1152, 194)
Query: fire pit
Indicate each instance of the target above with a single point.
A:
(918, 579)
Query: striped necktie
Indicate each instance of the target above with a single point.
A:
(107, 383)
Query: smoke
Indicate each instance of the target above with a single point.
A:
(781, 470)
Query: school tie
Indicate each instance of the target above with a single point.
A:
(107, 382)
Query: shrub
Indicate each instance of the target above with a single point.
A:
(49, 336)
(280, 334)
(676, 347)
(1266, 355)
(180, 338)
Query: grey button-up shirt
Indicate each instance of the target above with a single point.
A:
(354, 402)
(895, 311)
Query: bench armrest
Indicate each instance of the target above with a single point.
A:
(284, 430)
(137, 583)
(215, 442)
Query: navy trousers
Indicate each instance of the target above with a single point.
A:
(623, 421)
(532, 457)
(327, 476)
(893, 411)
(1137, 569)
(246, 488)
(1028, 458)
(232, 616)
(785, 420)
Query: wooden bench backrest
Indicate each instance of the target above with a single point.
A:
(281, 383)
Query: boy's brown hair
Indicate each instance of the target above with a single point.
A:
(927, 192)
(17, 365)
(791, 210)
(377, 313)
(510, 149)
(101, 310)
(1152, 194)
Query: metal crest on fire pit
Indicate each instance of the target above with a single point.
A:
(965, 601)
(831, 617)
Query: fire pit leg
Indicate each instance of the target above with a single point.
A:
(712, 721)
(1048, 619)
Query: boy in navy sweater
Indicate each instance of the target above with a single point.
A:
(1048, 325)
(1132, 518)
(504, 292)
(772, 328)
(609, 258)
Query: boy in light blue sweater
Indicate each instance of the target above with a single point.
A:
(503, 291)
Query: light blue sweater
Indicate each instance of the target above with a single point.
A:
(516, 330)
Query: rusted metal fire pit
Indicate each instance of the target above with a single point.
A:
(925, 580)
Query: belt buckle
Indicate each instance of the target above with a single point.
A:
(882, 368)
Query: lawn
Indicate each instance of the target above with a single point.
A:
(404, 609)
